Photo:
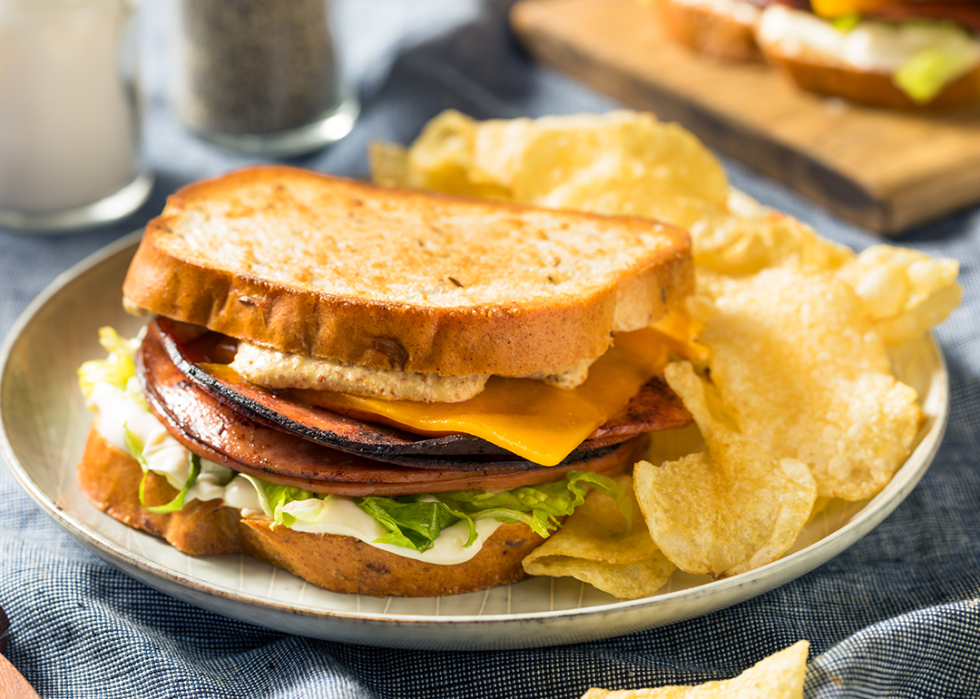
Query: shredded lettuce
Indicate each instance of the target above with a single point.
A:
(846, 22)
(416, 523)
(925, 75)
(279, 495)
(117, 369)
(136, 451)
(304, 505)
(307, 511)
(540, 506)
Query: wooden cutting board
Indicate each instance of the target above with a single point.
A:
(888, 171)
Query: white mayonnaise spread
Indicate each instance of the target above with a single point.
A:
(872, 47)
(274, 369)
(121, 410)
(342, 516)
(568, 378)
(741, 11)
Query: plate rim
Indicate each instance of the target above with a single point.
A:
(156, 575)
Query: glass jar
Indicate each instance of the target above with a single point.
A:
(258, 76)
(69, 114)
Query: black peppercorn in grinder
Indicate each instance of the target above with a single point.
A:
(258, 77)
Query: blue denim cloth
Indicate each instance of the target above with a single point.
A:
(896, 615)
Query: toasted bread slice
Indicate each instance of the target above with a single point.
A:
(395, 279)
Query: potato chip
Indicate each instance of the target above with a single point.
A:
(446, 143)
(732, 244)
(498, 148)
(595, 546)
(621, 163)
(795, 355)
(440, 159)
(780, 676)
(730, 509)
(905, 292)
(389, 164)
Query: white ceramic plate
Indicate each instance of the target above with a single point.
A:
(45, 422)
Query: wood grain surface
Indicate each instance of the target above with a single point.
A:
(886, 170)
(12, 683)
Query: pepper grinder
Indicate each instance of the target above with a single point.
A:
(258, 77)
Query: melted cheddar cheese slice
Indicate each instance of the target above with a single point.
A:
(529, 418)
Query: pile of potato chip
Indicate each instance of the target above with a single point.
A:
(796, 403)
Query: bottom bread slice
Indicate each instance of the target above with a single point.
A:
(110, 480)
(875, 89)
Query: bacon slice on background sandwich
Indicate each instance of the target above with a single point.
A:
(382, 391)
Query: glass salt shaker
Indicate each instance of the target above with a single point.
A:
(69, 114)
(258, 77)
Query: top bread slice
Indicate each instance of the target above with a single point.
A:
(396, 279)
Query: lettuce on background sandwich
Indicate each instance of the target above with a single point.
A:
(382, 391)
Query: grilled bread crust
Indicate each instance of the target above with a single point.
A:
(397, 279)
(110, 480)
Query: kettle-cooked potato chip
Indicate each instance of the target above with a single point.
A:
(440, 159)
(732, 244)
(498, 148)
(597, 546)
(795, 355)
(780, 676)
(621, 163)
(730, 509)
(905, 292)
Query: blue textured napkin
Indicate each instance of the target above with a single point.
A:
(896, 615)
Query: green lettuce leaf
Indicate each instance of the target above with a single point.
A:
(279, 496)
(136, 451)
(540, 506)
(928, 71)
(413, 523)
(846, 23)
(273, 498)
(117, 369)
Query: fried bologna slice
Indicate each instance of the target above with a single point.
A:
(167, 359)
(392, 279)
(110, 479)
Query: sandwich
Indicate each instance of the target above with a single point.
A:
(909, 54)
(382, 391)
